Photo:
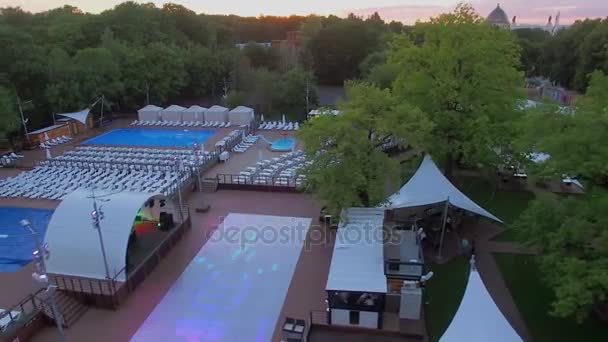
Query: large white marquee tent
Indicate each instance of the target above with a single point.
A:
(429, 186)
(75, 245)
(216, 113)
(241, 115)
(149, 113)
(172, 113)
(194, 113)
(478, 319)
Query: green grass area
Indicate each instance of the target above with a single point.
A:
(443, 294)
(533, 300)
(506, 205)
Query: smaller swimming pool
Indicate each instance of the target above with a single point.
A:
(16, 242)
(151, 137)
(283, 145)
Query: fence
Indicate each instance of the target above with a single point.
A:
(109, 293)
(258, 183)
(21, 326)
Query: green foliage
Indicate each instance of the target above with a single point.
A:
(573, 140)
(533, 299)
(572, 240)
(9, 117)
(532, 42)
(575, 52)
(261, 57)
(463, 76)
(351, 169)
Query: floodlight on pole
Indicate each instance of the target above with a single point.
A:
(39, 255)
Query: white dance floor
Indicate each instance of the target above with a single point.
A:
(234, 289)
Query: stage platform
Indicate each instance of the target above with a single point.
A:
(234, 289)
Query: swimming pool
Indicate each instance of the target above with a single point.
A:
(16, 243)
(283, 145)
(151, 137)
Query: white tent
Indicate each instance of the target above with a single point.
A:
(194, 113)
(216, 113)
(74, 243)
(429, 186)
(357, 264)
(478, 319)
(149, 113)
(241, 115)
(172, 113)
(78, 116)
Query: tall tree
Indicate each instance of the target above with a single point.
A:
(463, 75)
(572, 240)
(349, 167)
(9, 119)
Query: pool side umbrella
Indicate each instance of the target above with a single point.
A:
(262, 117)
(260, 155)
(48, 153)
(284, 118)
(46, 136)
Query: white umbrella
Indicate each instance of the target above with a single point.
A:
(260, 155)
(48, 153)
(46, 136)
(283, 118)
(262, 117)
(202, 148)
(243, 134)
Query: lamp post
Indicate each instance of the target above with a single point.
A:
(41, 277)
(178, 164)
(23, 121)
(97, 216)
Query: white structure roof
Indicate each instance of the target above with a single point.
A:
(216, 108)
(150, 108)
(74, 243)
(429, 186)
(46, 129)
(241, 115)
(358, 260)
(174, 108)
(195, 109)
(216, 113)
(78, 116)
(478, 319)
(172, 113)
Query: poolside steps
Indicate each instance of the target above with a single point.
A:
(69, 308)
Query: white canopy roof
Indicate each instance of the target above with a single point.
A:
(74, 244)
(358, 260)
(217, 109)
(195, 109)
(241, 115)
(174, 108)
(242, 109)
(478, 319)
(150, 108)
(429, 186)
(78, 116)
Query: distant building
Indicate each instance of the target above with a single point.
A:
(241, 46)
(499, 18)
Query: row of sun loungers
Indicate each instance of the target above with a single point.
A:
(279, 125)
(9, 160)
(49, 182)
(135, 156)
(246, 143)
(280, 171)
(217, 124)
(54, 142)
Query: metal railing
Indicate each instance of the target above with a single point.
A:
(111, 292)
(268, 183)
(28, 309)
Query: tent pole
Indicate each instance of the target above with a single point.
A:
(443, 223)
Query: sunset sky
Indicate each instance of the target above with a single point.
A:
(527, 11)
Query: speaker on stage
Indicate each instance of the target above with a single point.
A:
(165, 221)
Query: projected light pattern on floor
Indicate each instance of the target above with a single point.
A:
(232, 290)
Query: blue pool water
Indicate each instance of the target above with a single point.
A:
(283, 145)
(151, 137)
(16, 242)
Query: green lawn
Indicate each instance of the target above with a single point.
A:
(533, 300)
(506, 205)
(443, 294)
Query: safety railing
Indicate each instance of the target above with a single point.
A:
(260, 183)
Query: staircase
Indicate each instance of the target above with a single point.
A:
(70, 309)
(209, 185)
